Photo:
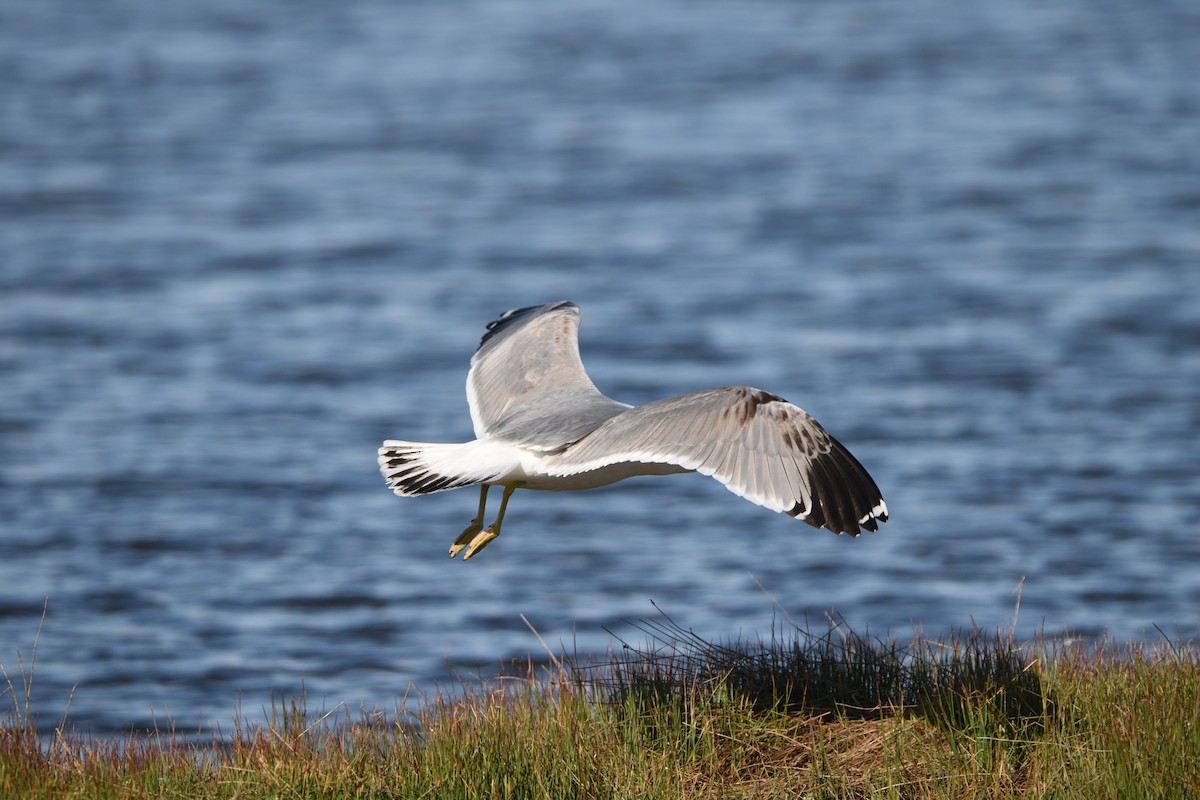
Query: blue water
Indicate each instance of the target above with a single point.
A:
(240, 244)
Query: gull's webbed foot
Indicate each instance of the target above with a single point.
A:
(482, 540)
(466, 537)
(476, 537)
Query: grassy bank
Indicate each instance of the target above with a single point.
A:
(836, 715)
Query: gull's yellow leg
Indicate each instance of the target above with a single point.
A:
(475, 527)
(485, 537)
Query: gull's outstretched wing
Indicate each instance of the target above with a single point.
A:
(527, 383)
(760, 446)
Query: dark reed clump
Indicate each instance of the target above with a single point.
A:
(950, 681)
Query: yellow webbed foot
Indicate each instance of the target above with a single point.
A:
(482, 540)
(466, 537)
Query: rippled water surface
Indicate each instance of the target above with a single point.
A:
(240, 244)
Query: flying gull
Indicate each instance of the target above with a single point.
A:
(540, 423)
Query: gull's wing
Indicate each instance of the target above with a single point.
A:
(760, 446)
(527, 383)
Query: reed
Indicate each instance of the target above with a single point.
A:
(827, 715)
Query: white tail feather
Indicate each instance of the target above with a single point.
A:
(415, 468)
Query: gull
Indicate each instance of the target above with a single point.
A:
(540, 423)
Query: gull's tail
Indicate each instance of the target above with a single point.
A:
(413, 468)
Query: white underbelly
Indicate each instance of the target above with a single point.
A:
(532, 479)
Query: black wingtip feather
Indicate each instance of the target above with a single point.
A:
(842, 494)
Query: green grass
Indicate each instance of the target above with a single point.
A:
(798, 715)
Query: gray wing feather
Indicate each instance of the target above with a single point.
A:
(756, 443)
(526, 372)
